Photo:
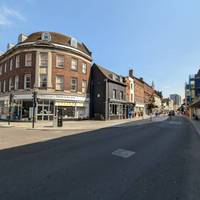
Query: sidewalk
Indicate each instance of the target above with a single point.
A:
(78, 125)
(21, 133)
(196, 124)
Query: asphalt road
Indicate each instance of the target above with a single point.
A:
(164, 164)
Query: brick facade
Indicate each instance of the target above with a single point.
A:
(71, 97)
(21, 71)
(139, 90)
(68, 73)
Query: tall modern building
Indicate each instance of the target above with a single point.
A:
(176, 98)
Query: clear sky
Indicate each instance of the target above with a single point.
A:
(159, 39)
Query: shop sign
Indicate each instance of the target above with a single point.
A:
(69, 104)
(62, 97)
(23, 97)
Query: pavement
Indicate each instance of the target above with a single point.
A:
(196, 124)
(153, 161)
(79, 125)
(21, 134)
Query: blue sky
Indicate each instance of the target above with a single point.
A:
(159, 39)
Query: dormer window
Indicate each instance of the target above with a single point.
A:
(74, 42)
(46, 36)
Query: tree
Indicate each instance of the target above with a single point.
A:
(151, 104)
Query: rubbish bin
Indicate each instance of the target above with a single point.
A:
(60, 118)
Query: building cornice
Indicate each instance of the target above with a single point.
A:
(31, 45)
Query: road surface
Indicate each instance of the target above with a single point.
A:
(158, 161)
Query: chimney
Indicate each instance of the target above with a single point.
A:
(131, 72)
(21, 38)
(10, 46)
(141, 79)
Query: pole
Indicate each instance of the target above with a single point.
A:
(34, 105)
(10, 108)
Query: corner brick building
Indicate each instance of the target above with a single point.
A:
(54, 65)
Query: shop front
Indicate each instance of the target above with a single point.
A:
(73, 107)
(73, 110)
(117, 110)
(139, 110)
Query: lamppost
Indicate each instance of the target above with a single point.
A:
(34, 105)
(10, 107)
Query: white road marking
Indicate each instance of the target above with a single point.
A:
(176, 123)
(123, 153)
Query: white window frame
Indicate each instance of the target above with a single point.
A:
(72, 84)
(60, 82)
(84, 86)
(4, 85)
(121, 95)
(44, 62)
(11, 84)
(17, 61)
(11, 64)
(60, 63)
(5, 67)
(28, 59)
(114, 94)
(25, 81)
(84, 68)
(16, 86)
(46, 36)
(74, 67)
(41, 82)
(74, 42)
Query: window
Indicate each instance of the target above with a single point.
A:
(11, 85)
(84, 68)
(114, 94)
(74, 84)
(74, 42)
(60, 61)
(28, 60)
(4, 86)
(1, 70)
(17, 64)
(131, 97)
(11, 64)
(131, 86)
(16, 82)
(5, 68)
(74, 64)
(113, 109)
(84, 86)
(44, 59)
(59, 82)
(43, 80)
(46, 36)
(27, 81)
(121, 96)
